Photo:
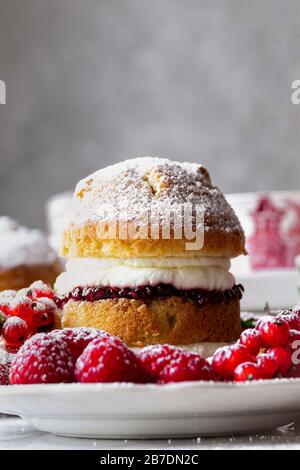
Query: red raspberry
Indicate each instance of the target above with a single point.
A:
(155, 358)
(15, 332)
(40, 289)
(282, 357)
(4, 374)
(252, 339)
(78, 338)
(107, 359)
(292, 318)
(267, 365)
(226, 359)
(188, 366)
(247, 371)
(275, 332)
(42, 359)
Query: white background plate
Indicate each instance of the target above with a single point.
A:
(153, 411)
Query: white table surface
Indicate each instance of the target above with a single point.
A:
(17, 434)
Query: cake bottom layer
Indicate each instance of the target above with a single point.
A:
(173, 320)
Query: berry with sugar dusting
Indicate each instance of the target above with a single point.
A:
(78, 338)
(23, 307)
(268, 365)
(187, 366)
(44, 313)
(252, 339)
(292, 318)
(247, 371)
(275, 332)
(15, 332)
(155, 358)
(6, 298)
(107, 359)
(42, 359)
(283, 358)
(40, 289)
(226, 359)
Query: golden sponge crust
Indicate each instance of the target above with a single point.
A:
(126, 193)
(84, 242)
(172, 320)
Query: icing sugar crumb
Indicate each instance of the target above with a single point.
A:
(125, 192)
(21, 245)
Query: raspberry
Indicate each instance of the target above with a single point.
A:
(187, 366)
(247, 371)
(283, 359)
(267, 365)
(42, 359)
(107, 359)
(40, 289)
(292, 318)
(155, 358)
(226, 359)
(275, 332)
(4, 374)
(252, 339)
(15, 331)
(78, 338)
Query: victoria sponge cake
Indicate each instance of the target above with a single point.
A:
(148, 243)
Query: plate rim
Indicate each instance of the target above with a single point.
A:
(129, 386)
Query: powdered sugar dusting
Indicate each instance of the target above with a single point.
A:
(125, 191)
(20, 245)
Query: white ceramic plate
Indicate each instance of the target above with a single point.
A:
(153, 411)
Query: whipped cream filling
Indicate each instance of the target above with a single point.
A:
(208, 273)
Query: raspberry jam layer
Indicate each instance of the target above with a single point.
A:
(202, 297)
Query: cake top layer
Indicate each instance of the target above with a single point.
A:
(126, 190)
(129, 190)
(22, 246)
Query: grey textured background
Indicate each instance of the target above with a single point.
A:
(90, 82)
